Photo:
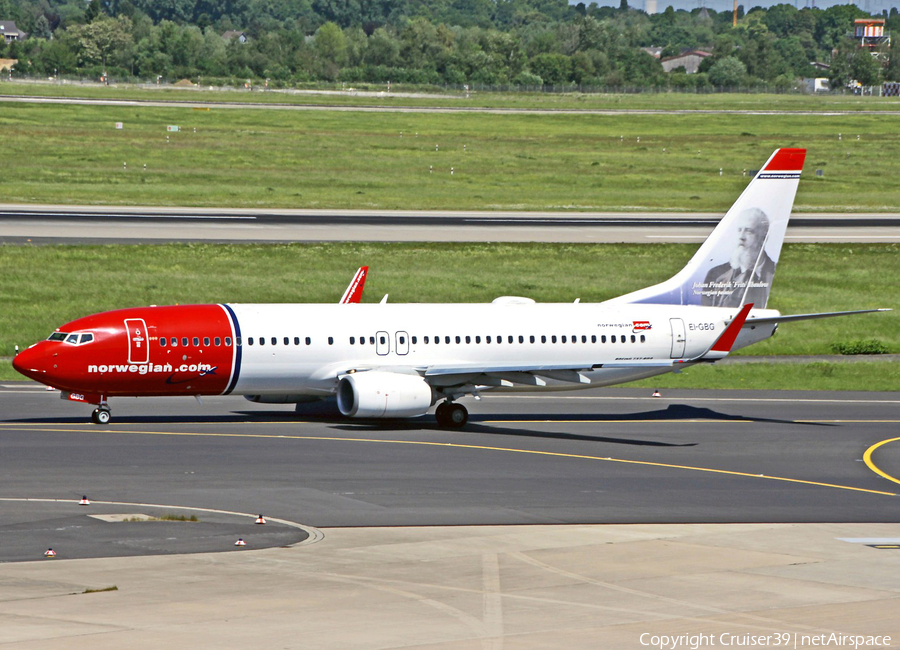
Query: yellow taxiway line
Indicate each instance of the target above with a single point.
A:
(451, 445)
(867, 457)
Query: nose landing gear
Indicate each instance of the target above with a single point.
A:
(101, 414)
(452, 415)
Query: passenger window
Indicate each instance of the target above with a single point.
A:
(296, 340)
(543, 338)
(477, 339)
(402, 340)
(633, 338)
(643, 338)
(553, 339)
(287, 341)
(487, 339)
(250, 341)
(217, 341)
(510, 339)
(163, 341)
(468, 339)
(612, 338)
(521, 339)
(206, 341)
(593, 338)
(574, 339)
(228, 341)
(447, 340)
(414, 340)
(563, 338)
(330, 340)
(426, 339)
(603, 339)
(371, 340)
(184, 341)
(381, 340)
(174, 342)
(274, 341)
(262, 340)
(196, 341)
(437, 340)
(531, 338)
(362, 340)
(308, 341)
(583, 338)
(352, 340)
(457, 340)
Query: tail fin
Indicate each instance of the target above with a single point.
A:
(355, 288)
(736, 264)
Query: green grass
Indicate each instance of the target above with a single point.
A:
(70, 154)
(46, 286)
(823, 375)
(375, 95)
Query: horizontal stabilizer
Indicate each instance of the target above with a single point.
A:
(793, 317)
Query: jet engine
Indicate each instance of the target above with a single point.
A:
(377, 394)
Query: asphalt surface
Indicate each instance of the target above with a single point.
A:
(606, 456)
(91, 224)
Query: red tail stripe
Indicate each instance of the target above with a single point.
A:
(731, 332)
(787, 160)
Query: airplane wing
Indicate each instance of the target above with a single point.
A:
(355, 288)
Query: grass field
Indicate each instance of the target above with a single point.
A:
(46, 286)
(71, 154)
(376, 95)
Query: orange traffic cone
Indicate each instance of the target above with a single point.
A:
(84, 501)
(260, 520)
(656, 393)
(240, 542)
(49, 553)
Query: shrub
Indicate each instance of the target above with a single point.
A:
(871, 346)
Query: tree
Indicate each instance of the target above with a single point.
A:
(728, 72)
(93, 11)
(42, 28)
(104, 37)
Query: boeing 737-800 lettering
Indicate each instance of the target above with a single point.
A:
(398, 360)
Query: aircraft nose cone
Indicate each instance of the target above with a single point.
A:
(32, 363)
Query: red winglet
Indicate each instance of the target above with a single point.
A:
(787, 160)
(355, 288)
(724, 342)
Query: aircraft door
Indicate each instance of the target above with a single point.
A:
(382, 343)
(138, 348)
(678, 337)
(402, 343)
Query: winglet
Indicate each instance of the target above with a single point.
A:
(725, 342)
(355, 288)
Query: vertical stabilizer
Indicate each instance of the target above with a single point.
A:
(736, 264)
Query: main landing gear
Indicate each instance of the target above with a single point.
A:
(450, 414)
(101, 414)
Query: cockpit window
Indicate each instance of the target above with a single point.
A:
(72, 338)
(86, 338)
(57, 336)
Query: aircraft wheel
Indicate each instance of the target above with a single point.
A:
(457, 415)
(440, 414)
(101, 416)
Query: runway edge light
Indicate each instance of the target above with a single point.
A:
(84, 501)
(49, 553)
(260, 520)
(240, 542)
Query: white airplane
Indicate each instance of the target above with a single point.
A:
(398, 360)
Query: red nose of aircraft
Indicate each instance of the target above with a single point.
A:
(34, 363)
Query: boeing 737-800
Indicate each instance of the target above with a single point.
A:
(398, 360)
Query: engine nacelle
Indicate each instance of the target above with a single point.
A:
(377, 394)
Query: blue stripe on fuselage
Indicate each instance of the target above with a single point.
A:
(236, 371)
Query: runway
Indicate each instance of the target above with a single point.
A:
(93, 224)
